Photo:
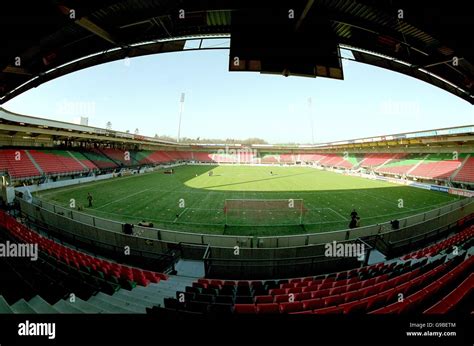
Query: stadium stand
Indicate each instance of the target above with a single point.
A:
(426, 278)
(57, 162)
(203, 157)
(121, 157)
(446, 304)
(401, 164)
(310, 157)
(18, 164)
(83, 160)
(457, 239)
(61, 270)
(466, 173)
(375, 160)
(270, 158)
(437, 166)
(99, 160)
(61, 162)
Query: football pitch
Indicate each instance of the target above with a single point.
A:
(192, 200)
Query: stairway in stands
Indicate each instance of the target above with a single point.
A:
(122, 302)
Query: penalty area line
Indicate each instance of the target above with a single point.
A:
(338, 214)
(185, 209)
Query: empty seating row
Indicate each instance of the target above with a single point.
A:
(437, 166)
(452, 241)
(18, 164)
(375, 298)
(366, 289)
(56, 162)
(77, 259)
(466, 173)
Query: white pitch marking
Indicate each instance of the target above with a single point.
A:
(121, 199)
(180, 214)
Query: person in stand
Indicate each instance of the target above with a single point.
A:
(90, 199)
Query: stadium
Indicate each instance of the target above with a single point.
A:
(101, 221)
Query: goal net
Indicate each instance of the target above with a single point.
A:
(263, 212)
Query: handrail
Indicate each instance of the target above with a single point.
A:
(207, 252)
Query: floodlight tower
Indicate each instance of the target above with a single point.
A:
(181, 106)
(311, 119)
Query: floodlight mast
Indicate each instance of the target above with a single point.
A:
(181, 106)
(311, 119)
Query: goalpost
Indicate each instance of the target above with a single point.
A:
(263, 212)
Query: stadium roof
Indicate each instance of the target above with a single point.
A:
(43, 40)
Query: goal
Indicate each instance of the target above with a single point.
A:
(263, 212)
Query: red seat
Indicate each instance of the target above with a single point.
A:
(295, 290)
(311, 288)
(245, 309)
(271, 308)
(281, 298)
(305, 312)
(277, 291)
(320, 293)
(287, 285)
(313, 304)
(355, 286)
(377, 301)
(329, 310)
(142, 281)
(264, 299)
(325, 285)
(357, 306)
(217, 282)
(291, 307)
(352, 295)
(338, 290)
(303, 296)
(334, 300)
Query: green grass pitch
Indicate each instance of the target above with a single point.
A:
(328, 198)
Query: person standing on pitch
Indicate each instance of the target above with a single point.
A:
(90, 199)
(354, 214)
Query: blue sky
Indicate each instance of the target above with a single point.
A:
(144, 93)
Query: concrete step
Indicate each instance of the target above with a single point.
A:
(144, 296)
(4, 307)
(22, 307)
(109, 307)
(41, 306)
(65, 307)
(86, 307)
(126, 304)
